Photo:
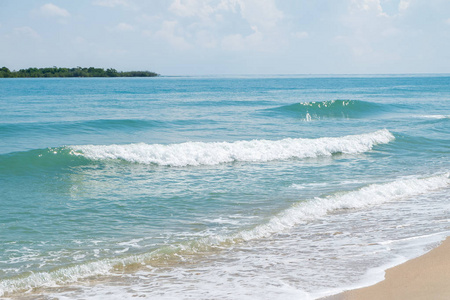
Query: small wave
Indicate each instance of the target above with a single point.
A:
(367, 196)
(38, 159)
(213, 153)
(436, 117)
(330, 109)
(78, 126)
(299, 213)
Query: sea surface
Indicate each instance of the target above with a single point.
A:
(238, 187)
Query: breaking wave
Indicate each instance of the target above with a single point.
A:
(366, 196)
(200, 153)
(193, 153)
(330, 109)
(302, 212)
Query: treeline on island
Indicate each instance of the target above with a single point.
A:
(71, 72)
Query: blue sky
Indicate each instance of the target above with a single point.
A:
(201, 37)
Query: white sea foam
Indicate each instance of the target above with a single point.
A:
(438, 117)
(200, 153)
(302, 212)
(365, 197)
(54, 278)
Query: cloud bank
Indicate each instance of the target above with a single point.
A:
(231, 36)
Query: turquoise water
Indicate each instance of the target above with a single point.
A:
(218, 187)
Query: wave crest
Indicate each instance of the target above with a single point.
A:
(330, 109)
(214, 153)
(302, 212)
(366, 196)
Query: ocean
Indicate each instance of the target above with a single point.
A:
(230, 187)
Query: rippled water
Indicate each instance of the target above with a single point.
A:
(223, 188)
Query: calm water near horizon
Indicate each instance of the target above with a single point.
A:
(237, 187)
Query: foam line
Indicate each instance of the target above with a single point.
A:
(200, 153)
(302, 212)
(367, 196)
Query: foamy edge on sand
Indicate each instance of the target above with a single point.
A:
(302, 212)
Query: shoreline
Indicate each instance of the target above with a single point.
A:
(424, 277)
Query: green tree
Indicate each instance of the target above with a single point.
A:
(73, 72)
(111, 73)
(5, 72)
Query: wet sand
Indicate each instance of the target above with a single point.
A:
(425, 277)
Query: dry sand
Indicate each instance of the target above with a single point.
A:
(425, 277)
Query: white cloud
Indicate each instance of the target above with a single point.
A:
(263, 13)
(26, 31)
(191, 8)
(403, 5)
(124, 27)
(205, 39)
(371, 35)
(149, 19)
(373, 6)
(300, 35)
(237, 42)
(173, 34)
(233, 42)
(51, 10)
(234, 25)
(114, 3)
(447, 21)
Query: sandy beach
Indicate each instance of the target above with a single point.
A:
(425, 277)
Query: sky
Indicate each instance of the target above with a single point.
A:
(214, 37)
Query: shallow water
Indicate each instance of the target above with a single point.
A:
(256, 188)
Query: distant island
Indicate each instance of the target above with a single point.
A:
(71, 72)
